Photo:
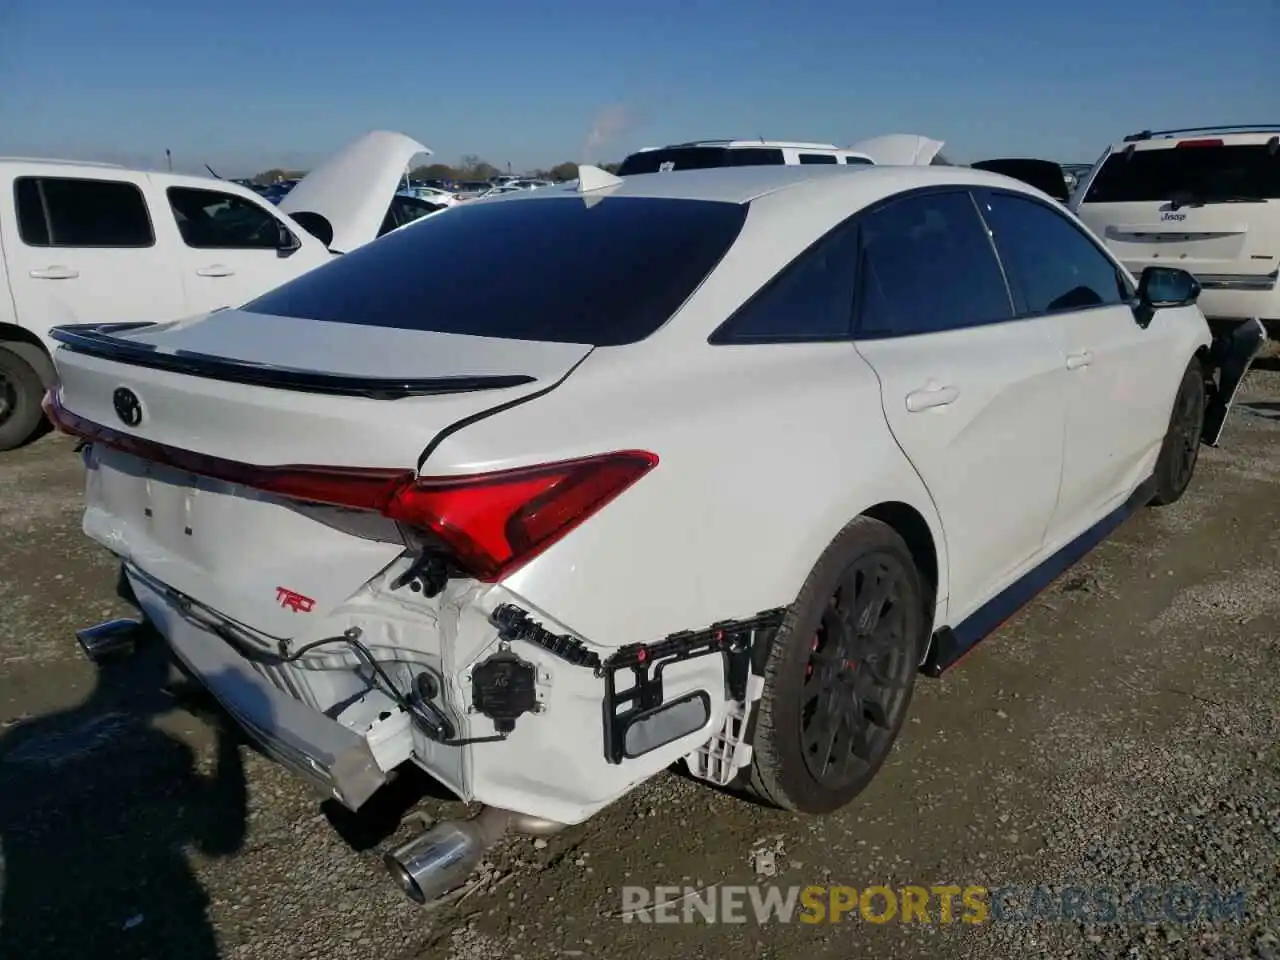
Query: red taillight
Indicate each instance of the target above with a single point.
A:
(492, 522)
(496, 522)
(1200, 143)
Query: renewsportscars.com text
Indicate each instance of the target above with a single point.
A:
(951, 903)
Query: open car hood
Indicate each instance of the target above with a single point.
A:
(899, 149)
(1045, 175)
(351, 191)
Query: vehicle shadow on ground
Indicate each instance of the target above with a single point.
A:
(98, 811)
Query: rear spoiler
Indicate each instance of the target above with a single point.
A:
(100, 340)
(1044, 175)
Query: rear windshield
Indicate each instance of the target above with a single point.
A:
(603, 272)
(1204, 173)
(699, 158)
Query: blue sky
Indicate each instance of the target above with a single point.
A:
(248, 85)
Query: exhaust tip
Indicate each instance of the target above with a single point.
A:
(111, 639)
(404, 879)
(442, 858)
(438, 860)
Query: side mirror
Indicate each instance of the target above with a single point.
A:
(1162, 287)
(286, 242)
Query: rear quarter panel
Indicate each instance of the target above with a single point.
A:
(766, 452)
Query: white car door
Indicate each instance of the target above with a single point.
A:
(1122, 376)
(82, 248)
(233, 248)
(974, 398)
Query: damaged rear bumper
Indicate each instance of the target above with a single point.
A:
(540, 724)
(331, 758)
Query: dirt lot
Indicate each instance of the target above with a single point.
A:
(1123, 731)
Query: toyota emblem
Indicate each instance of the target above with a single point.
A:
(128, 406)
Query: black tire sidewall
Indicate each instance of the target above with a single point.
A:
(26, 415)
(1167, 488)
(781, 774)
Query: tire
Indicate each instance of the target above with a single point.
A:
(1180, 451)
(21, 391)
(786, 770)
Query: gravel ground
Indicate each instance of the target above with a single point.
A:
(1122, 732)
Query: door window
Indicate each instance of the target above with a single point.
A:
(213, 220)
(72, 212)
(818, 158)
(928, 266)
(1051, 264)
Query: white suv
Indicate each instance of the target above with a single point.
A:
(1206, 200)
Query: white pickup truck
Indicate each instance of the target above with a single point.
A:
(95, 243)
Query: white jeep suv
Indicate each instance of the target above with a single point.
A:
(1206, 200)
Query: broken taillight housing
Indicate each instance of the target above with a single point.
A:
(496, 522)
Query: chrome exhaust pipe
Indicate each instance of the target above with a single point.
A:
(114, 638)
(442, 858)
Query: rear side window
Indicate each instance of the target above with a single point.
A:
(811, 299)
(754, 157)
(603, 272)
(213, 220)
(1052, 265)
(1193, 174)
(699, 158)
(72, 212)
(927, 267)
(818, 158)
(850, 158)
(673, 158)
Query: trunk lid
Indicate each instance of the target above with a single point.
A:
(1045, 175)
(187, 405)
(1211, 239)
(899, 149)
(352, 189)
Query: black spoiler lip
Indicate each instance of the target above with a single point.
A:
(97, 340)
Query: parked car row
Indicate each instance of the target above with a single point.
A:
(759, 445)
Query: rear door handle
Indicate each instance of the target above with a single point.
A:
(930, 397)
(54, 273)
(217, 270)
(1077, 360)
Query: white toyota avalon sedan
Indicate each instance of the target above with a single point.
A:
(710, 470)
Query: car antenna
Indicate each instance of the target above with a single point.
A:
(593, 178)
(214, 172)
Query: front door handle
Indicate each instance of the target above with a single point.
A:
(217, 270)
(54, 273)
(1077, 360)
(930, 397)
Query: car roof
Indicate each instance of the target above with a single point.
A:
(99, 170)
(744, 184)
(737, 144)
(1259, 133)
(57, 162)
